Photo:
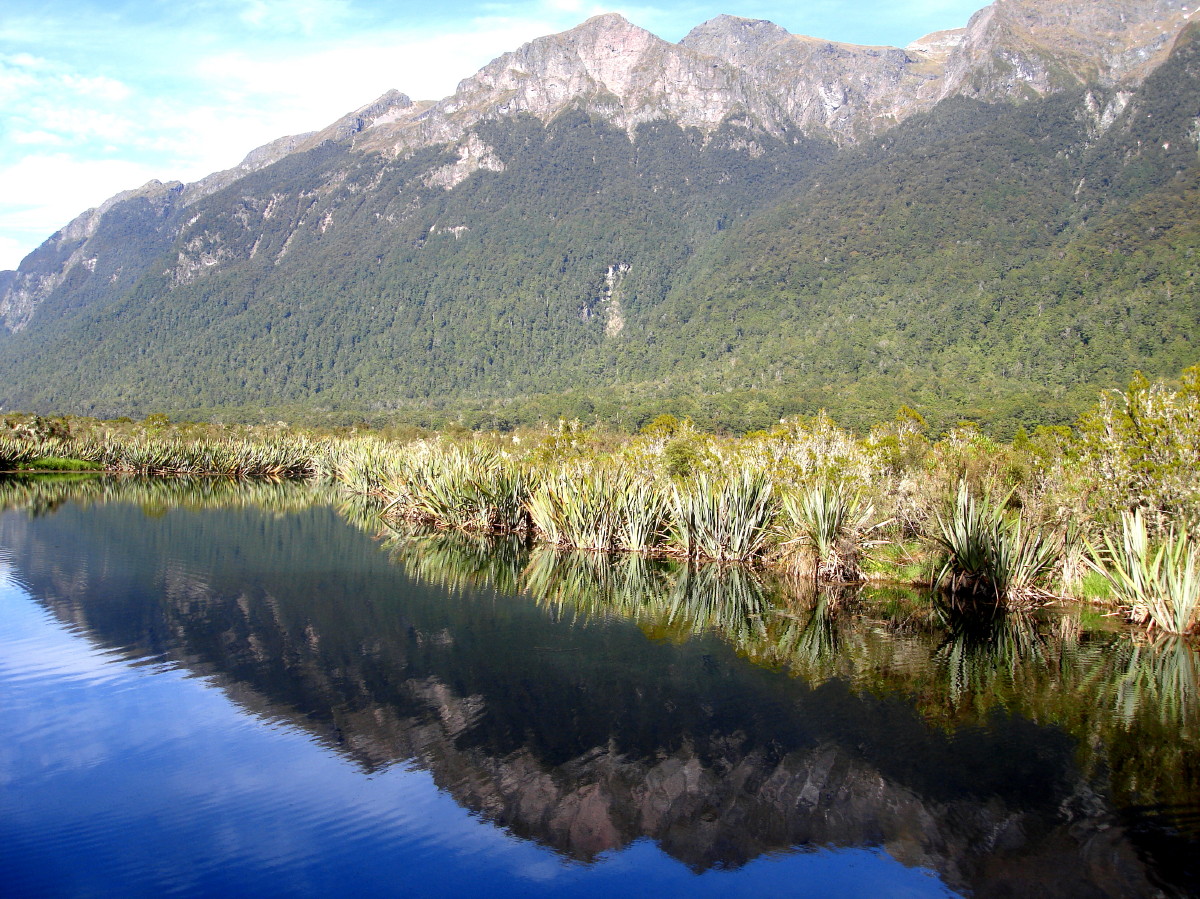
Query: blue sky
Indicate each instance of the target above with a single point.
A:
(98, 96)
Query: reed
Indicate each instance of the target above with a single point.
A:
(1158, 581)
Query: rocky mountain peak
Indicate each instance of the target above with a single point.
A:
(1013, 47)
(783, 83)
(733, 38)
(615, 68)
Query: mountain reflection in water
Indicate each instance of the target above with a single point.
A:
(587, 702)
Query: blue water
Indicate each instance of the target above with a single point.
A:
(251, 702)
(135, 778)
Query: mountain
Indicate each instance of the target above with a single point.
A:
(989, 224)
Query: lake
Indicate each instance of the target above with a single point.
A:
(213, 689)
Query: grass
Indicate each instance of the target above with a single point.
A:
(60, 463)
(1096, 587)
(898, 561)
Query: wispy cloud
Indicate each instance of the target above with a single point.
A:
(57, 186)
(305, 16)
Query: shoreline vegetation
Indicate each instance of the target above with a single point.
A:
(1106, 512)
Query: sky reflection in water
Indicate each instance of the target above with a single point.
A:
(135, 777)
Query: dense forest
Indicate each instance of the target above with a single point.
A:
(990, 263)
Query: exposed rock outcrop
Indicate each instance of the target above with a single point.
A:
(728, 69)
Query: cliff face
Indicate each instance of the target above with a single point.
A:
(786, 83)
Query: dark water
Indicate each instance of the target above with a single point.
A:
(212, 691)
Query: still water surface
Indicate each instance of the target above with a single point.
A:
(210, 691)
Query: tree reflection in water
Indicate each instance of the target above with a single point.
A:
(985, 748)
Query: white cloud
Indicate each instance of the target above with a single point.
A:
(12, 251)
(102, 88)
(305, 16)
(37, 138)
(40, 194)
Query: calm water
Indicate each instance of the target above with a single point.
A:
(211, 691)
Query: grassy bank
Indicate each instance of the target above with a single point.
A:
(989, 523)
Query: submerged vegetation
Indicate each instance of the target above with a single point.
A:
(987, 522)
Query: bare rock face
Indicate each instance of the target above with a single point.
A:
(842, 91)
(787, 84)
(614, 68)
(1017, 47)
(729, 69)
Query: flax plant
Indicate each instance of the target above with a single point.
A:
(828, 525)
(989, 554)
(14, 453)
(644, 516)
(579, 509)
(1158, 582)
(722, 519)
(473, 489)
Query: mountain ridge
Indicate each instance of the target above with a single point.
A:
(554, 223)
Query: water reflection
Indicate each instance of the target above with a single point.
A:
(1130, 702)
(1019, 754)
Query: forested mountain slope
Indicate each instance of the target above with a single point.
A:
(991, 258)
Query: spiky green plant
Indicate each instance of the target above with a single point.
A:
(546, 512)
(828, 524)
(987, 553)
(591, 511)
(644, 510)
(723, 519)
(14, 453)
(598, 508)
(472, 489)
(1158, 581)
